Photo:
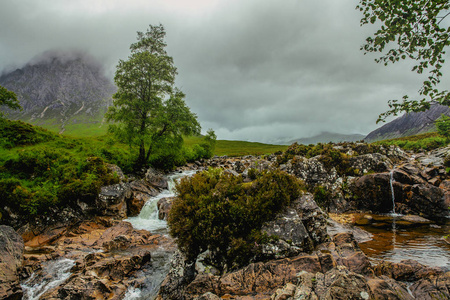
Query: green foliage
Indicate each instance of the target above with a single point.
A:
(217, 211)
(39, 169)
(443, 126)
(38, 178)
(326, 154)
(149, 113)
(322, 196)
(410, 29)
(420, 142)
(17, 133)
(9, 99)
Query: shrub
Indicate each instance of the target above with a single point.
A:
(322, 196)
(217, 211)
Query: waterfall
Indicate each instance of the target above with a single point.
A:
(148, 217)
(392, 189)
(148, 220)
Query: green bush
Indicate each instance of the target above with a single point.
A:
(17, 133)
(322, 196)
(36, 179)
(217, 211)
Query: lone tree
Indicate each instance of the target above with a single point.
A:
(415, 30)
(9, 99)
(148, 111)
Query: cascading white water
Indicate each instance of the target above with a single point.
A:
(148, 217)
(148, 220)
(392, 189)
(53, 274)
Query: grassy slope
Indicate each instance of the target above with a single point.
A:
(238, 148)
(426, 141)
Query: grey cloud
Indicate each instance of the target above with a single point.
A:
(254, 70)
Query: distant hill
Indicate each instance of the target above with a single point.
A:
(326, 137)
(409, 124)
(62, 91)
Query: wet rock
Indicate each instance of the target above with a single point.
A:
(164, 205)
(387, 288)
(123, 235)
(11, 257)
(373, 193)
(141, 191)
(181, 274)
(338, 283)
(292, 236)
(436, 287)
(112, 200)
(156, 179)
(413, 219)
(115, 169)
(313, 218)
(208, 296)
(406, 270)
(375, 162)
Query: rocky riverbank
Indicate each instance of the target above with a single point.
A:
(108, 257)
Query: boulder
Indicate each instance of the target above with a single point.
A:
(292, 237)
(313, 218)
(141, 191)
(164, 205)
(412, 194)
(112, 200)
(11, 257)
(375, 162)
(156, 179)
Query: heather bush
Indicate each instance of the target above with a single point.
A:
(219, 212)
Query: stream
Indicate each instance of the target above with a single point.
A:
(394, 240)
(391, 240)
(56, 272)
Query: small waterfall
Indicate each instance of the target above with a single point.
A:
(148, 220)
(391, 181)
(148, 217)
(53, 274)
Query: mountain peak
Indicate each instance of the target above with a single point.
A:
(59, 89)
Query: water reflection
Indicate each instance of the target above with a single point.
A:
(395, 240)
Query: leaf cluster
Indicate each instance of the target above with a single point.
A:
(9, 99)
(217, 211)
(417, 29)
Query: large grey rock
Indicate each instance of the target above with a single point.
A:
(371, 162)
(11, 257)
(292, 237)
(112, 200)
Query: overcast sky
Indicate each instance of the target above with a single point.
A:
(254, 70)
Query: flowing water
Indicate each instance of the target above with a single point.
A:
(395, 240)
(391, 182)
(148, 217)
(53, 273)
(56, 272)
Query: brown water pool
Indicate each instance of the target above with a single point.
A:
(395, 240)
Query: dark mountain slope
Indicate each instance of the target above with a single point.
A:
(409, 124)
(61, 91)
